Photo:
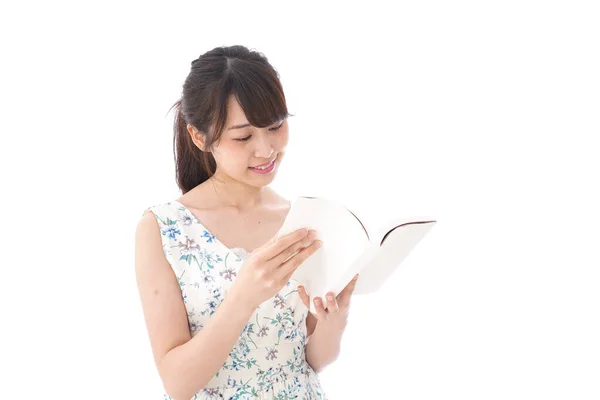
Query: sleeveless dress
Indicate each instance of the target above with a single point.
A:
(268, 361)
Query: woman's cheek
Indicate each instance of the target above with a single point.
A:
(283, 140)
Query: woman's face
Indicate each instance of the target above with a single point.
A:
(243, 146)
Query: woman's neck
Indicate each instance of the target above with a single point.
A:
(240, 196)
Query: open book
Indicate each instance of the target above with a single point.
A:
(348, 249)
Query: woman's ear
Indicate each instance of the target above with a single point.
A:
(198, 137)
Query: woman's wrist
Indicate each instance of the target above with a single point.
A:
(236, 295)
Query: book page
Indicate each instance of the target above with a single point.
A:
(344, 241)
(398, 244)
(383, 228)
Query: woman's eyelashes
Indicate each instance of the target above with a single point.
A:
(277, 127)
(270, 129)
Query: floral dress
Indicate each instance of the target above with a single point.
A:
(268, 361)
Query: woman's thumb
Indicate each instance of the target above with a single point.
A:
(303, 295)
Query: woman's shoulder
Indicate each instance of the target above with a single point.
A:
(200, 197)
(166, 213)
(204, 198)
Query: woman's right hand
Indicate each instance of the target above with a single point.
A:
(269, 268)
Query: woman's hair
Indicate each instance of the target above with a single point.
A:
(214, 76)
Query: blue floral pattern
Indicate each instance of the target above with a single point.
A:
(269, 359)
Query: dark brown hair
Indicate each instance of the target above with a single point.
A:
(214, 76)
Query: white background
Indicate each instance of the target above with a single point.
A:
(482, 114)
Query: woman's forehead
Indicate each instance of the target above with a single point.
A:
(235, 113)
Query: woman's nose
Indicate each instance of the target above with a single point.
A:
(265, 150)
(263, 155)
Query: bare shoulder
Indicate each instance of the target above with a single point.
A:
(147, 233)
(159, 291)
(201, 197)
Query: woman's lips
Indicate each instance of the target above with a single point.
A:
(265, 164)
(266, 170)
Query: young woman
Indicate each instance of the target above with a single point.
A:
(223, 318)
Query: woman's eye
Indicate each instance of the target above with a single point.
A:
(276, 128)
(270, 129)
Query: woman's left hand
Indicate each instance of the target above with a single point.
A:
(337, 307)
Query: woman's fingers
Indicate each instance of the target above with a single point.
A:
(276, 245)
(323, 307)
(346, 294)
(332, 304)
(320, 309)
(304, 296)
(295, 248)
(288, 268)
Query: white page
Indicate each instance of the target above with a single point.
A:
(344, 241)
(396, 247)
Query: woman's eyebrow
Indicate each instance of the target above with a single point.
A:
(237, 126)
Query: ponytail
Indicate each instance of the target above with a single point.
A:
(192, 165)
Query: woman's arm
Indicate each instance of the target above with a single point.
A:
(328, 325)
(184, 364)
(323, 346)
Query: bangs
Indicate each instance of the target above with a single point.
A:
(260, 96)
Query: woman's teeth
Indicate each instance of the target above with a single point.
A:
(266, 166)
